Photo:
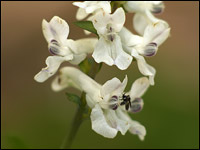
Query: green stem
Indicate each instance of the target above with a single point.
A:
(75, 125)
(80, 114)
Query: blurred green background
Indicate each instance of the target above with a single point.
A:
(33, 116)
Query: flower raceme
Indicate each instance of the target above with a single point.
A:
(116, 45)
(56, 32)
(109, 104)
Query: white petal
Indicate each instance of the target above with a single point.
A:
(82, 80)
(139, 87)
(92, 6)
(123, 114)
(151, 18)
(77, 59)
(86, 45)
(140, 22)
(61, 82)
(133, 6)
(53, 63)
(81, 14)
(118, 19)
(138, 129)
(75, 78)
(113, 87)
(163, 37)
(120, 89)
(123, 60)
(81, 48)
(111, 52)
(100, 125)
(47, 31)
(90, 101)
(89, 86)
(79, 4)
(156, 2)
(135, 127)
(157, 33)
(100, 22)
(57, 29)
(129, 39)
(70, 76)
(102, 52)
(115, 122)
(105, 5)
(144, 68)
(110, 86)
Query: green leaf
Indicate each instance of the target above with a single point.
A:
(74, 98)
(86, 25)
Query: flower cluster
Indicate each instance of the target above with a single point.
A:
(114, 45)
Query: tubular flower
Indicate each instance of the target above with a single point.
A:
(91, 7)
(109, 104)
(146, 45)
(56, 32)
(109, 48)
(144, 13)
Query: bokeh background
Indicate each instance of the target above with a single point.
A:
(33, 116)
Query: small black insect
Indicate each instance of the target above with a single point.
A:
(126, 100)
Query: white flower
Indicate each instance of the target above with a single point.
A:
(144, 13)
(62, 49)
(109, 48)
(109, 103)
(137, 46)
(91, 7)
(142, 6)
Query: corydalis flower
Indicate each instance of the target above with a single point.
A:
(137, 46)
(108, 102)
(141, 6)
(91, 7)
(56, 32)
(145, 11)
(109, 48)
